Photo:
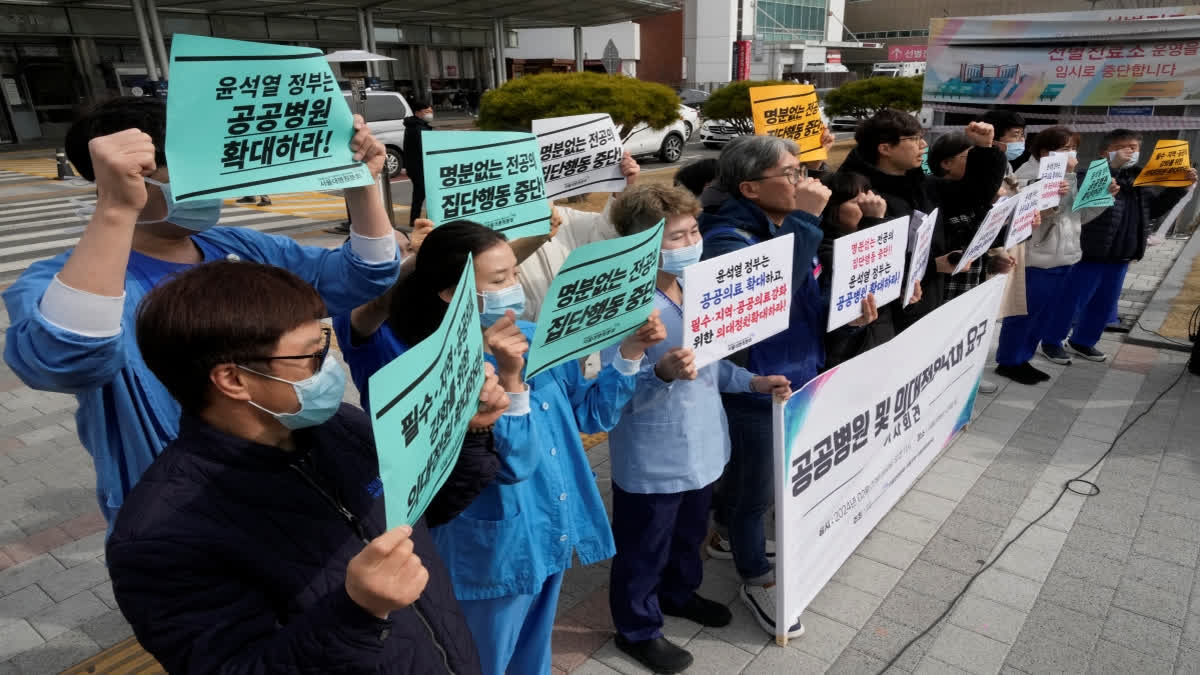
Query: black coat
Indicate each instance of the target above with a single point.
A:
(1119, 233)
(229, 556)
(846, 342)
(414, 161)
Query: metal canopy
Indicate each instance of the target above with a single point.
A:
(471, 14)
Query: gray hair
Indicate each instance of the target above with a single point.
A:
(747, 157)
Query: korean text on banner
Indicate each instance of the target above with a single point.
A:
(580, 154)
(733, 301)
(1051, 171)
(988, 230)
(421, 403)
(1094, 190)
(245, 117)
(867, 261)
(602, 293)
(851, 442)
(1168, 165)
(790, 111)
(1024, 213)
(493, 178)
(923, 243)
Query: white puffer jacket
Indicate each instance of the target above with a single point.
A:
(1056, 241)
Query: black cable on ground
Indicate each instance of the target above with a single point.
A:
(1071, 485)
(1168, 339)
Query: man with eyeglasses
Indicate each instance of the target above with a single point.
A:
(770, 195)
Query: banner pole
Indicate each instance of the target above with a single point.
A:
(782, 621)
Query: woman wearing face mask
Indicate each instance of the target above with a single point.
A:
(669, 447)
(72, 315)
(508, 550)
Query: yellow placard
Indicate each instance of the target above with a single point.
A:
(1168, 165)
(790, 111)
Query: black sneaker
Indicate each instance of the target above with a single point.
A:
(1023, 374)
(703, 611)
(1056, 354)
(1089, 353)
(265, 201)
(659, 655)
(246, 200)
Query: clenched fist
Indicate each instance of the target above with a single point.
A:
(120, 162)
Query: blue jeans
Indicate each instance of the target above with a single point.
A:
(747, 489)
(1090, 296)
(1020, 335)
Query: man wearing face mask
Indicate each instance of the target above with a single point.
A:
(1116, 237)
(72, 315)
(414, 159)
(1010, 135)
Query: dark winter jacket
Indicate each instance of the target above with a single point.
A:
(797, 353)
(230, 557)
(414, 161)
(1119, 233)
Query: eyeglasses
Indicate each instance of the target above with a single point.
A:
(319, 356)
(793, 175)
(918, 138)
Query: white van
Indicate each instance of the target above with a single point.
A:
(386, 111)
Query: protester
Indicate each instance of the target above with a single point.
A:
(1009, 128)
(414, 158)
(669, 447)
(697, 176)
(770, 196)
(1109, 243)
(256, 542)
(507, 552)
(72, 315)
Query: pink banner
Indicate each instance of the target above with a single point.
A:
(906, 53)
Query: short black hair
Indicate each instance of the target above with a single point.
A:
(697, 174)
(1050, 140)
(418, 104)
(945, 147)
(844, 186)
(1004, 120)
(1119, 135)
(219, 312)
(126, 112)
(886, 126)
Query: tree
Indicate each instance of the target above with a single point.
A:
(630, 102)
(732, 104)
(861, 98)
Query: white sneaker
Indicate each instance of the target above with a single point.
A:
(761, 602)
(719, 548)
(988, 388)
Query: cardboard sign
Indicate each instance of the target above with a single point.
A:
(580, 154)
(250, 118)
(790, 111)
(1168, 166)
(922, 244)
(741, 298)
(867, 261)
(1094, 190)
(603, 292)
(493, 178)
(1052, 170)
(995, 221)
(1024, 213)
(421, 403)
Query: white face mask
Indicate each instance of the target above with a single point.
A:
(428, 117)
(1112, 157)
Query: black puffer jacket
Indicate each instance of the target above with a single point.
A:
(1119, 233)
(230, 557)
(414, 158)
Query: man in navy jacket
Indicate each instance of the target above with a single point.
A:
(256, 542)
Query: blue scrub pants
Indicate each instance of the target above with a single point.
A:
(1020, 335)
(747, 488)
(658, 556)
(512, 633)
(1089, 298)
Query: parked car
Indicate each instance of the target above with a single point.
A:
(667, 142)
(385, 114)
(693, 98)
(715, 133)
(691, 119)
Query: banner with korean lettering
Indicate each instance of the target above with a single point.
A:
(738, 299)
(986, 235)
(1093, 192)
(867, 261)
(603, 292)
(251, 118)
(580, 154)
(1054, 74)
(851, 442)
(493, 178)
(790, 111)
(421, 403)
(922, 245)
(1024, 214)
(1052, 170)
(1168, 165)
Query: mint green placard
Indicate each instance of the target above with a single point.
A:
(421, 403)
(1094, 191)
(604, 292)
(493, 178)
(249, 118)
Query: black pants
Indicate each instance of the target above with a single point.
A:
(418, 198)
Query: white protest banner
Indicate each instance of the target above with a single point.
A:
(1024, 213)
(922, 243)
(851, 442)
(580, 154)
(1051, 170)
(1173, 215)
(987, 232)
(733, 301)
(867, 261)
